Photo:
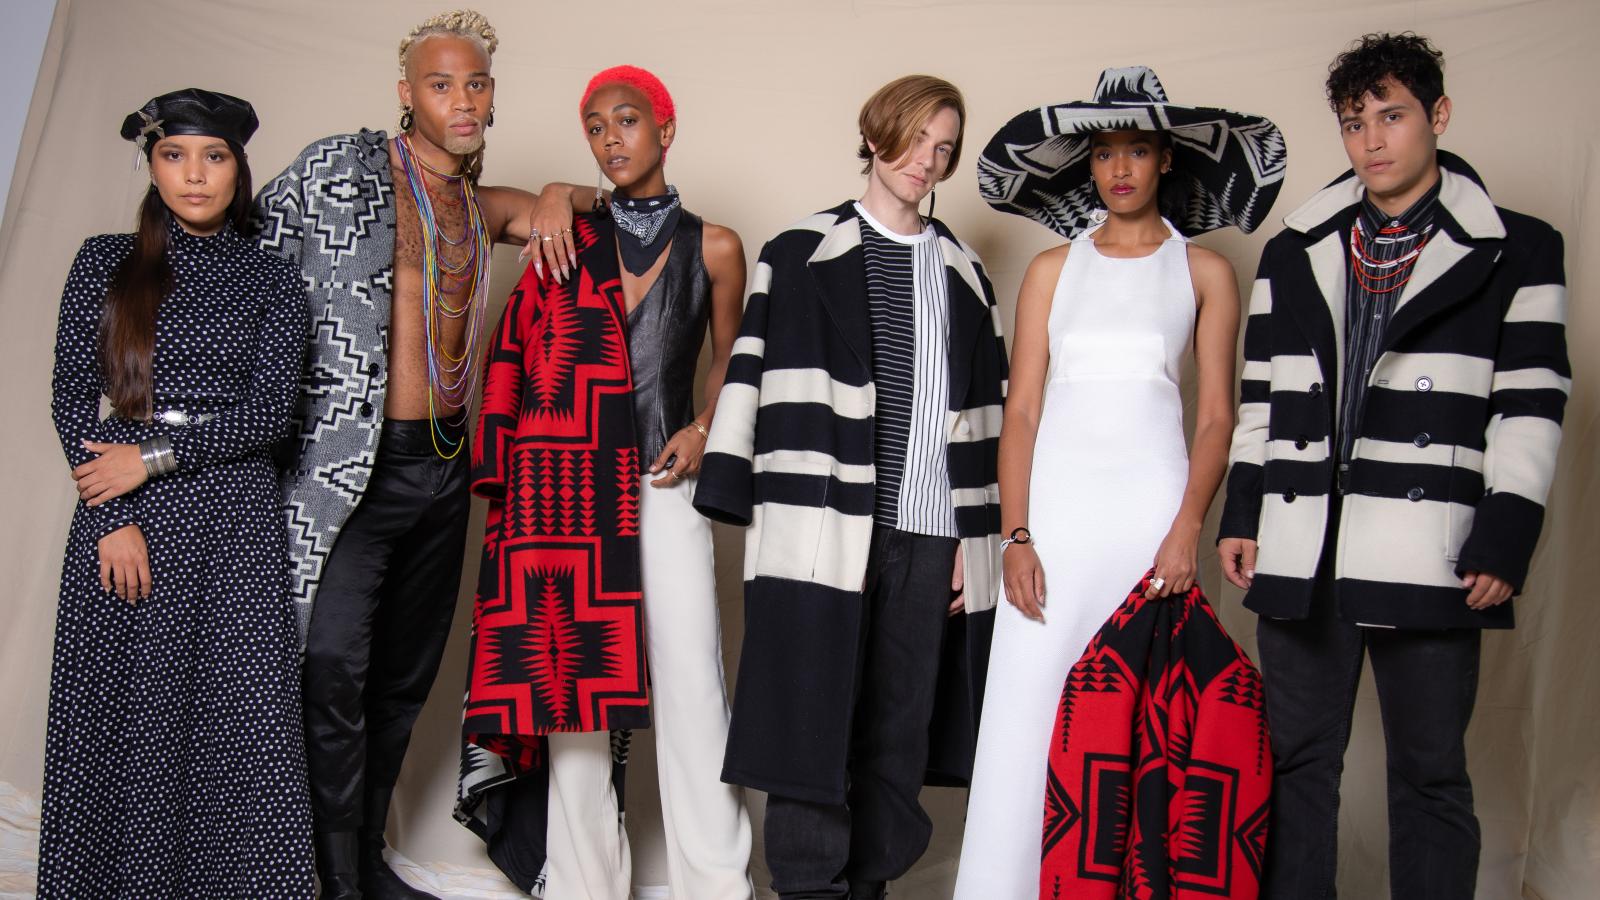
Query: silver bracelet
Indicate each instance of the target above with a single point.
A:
(156, 453)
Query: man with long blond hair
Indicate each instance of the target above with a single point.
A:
(857, 436)
(392, 236)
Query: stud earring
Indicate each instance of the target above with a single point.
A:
(406, 119)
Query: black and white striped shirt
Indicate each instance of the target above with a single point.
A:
(908, 298)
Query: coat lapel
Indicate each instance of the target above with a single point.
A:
(969, 311)
(841, 278)
(1467, 243)
(1320, 313)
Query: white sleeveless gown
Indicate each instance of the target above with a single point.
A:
(1109, 471)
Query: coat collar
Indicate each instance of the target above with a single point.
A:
(372, 149)
(1466, 243)
(842, 282)
(1462, 198)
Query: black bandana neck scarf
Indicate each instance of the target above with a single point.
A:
(644, 227)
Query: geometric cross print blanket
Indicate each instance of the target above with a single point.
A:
(1159, 767)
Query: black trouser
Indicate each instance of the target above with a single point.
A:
(1427, 683)
(819, 849)
(379, 625)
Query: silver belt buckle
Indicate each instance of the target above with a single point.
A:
(177, 418)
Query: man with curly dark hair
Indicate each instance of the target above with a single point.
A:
(1405, 377)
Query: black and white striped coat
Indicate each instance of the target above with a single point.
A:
(791, 456)
(1460, 425)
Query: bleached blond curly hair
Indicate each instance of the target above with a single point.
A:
(462, 23)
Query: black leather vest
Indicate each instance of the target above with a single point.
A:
(665, 333)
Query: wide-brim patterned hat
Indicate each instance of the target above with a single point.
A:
(1037, 165)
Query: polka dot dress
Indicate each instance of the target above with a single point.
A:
(174, 762)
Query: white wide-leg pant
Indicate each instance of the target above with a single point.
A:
(707, 827)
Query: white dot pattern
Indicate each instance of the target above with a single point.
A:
(174, 756)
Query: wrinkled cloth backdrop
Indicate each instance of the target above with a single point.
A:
(767, 93)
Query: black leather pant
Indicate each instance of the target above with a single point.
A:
(380, 623)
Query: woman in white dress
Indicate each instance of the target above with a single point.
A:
(1096, 486)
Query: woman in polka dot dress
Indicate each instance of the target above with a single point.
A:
(174, 763)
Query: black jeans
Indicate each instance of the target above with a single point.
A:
(379, 625)
(1427, 683)
(818, 850)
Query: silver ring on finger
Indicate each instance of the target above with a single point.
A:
(1157, 583)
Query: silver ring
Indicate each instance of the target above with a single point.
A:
(547, 239)
(1158, 583)
(677, 476)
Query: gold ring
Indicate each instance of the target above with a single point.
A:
(547, 239)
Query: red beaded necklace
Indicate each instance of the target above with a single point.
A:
(1376, 276)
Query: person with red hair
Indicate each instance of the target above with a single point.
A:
(644, 273)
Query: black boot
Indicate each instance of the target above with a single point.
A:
(378, 881)
(337, 865)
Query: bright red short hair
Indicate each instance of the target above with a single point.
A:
(642, 80)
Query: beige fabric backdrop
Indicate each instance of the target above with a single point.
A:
(767, 95)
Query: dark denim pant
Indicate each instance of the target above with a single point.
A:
(379, 625)
(818, 850)
(1427, 682)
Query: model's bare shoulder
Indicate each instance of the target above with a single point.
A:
(721, 245)
(1209, 269)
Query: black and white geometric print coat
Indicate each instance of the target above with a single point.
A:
(332, 213)
(1460, 426)
(791, 456)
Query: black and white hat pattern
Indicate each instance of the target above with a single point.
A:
(1037, 165)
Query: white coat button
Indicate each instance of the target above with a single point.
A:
(963, 429)
(1424, 383)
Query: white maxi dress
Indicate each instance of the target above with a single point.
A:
(1109, 471)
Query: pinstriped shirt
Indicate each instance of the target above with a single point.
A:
(1367, 312)
(908, 303)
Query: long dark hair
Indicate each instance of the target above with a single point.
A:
(128, 321)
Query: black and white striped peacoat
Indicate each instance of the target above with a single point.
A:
(1460, 426)
(791, 456)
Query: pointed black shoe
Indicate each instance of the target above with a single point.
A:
(337, 868)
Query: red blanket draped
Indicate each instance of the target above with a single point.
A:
(1160, 770)
(557, 627)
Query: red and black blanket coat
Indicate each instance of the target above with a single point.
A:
(557, 628)
(1160, 770)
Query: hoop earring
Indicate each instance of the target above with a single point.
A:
(490, 123)
(406, 119)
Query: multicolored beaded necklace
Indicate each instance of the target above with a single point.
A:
(1379, 277)
(453, 379)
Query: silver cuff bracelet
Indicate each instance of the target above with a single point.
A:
(156, 452)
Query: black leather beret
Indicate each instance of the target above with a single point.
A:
(191, 111)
